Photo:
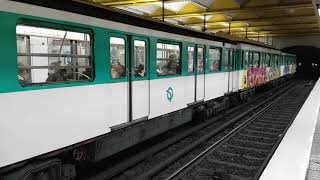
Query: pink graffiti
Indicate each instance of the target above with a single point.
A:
(256, 76)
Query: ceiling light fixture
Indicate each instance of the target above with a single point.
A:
(225, 24)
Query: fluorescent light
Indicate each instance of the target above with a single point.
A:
(318, 11)
(224, 24)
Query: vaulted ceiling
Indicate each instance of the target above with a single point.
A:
(245, 18)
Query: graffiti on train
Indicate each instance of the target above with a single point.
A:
(256, 76)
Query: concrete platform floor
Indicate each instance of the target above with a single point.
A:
(313, 172)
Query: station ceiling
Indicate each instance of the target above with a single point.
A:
(244, 18)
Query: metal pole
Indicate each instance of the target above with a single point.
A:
(258, 36)
(267, 39)
(162, 10)
(229, 28)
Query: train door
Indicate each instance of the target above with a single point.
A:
(191, 95)
(139, 78)
(119, 75)
(235, 73)
(230, 64)
(199, 83)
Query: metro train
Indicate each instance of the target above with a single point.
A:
(80, 83)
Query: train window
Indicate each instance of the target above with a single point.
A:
(117, 58)
(47, 55)
(284, 60)
(272, 63)
(245, 59)
(191, 56)
(226, 59)
(168, 59)
(232, 65)
(276, 60)
(262, 59)
(139, 58)
(256, 58)
(250, 59)
(267, 60)
(200, 59)
(214, 59)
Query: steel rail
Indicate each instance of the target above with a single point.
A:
(186, 150)
(226, 137)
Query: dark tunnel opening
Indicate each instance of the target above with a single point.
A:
(308, 60)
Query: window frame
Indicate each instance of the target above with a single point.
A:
(220, 60)
(203, 59)
(224, 59)
(245, 66)
(261, 60)
(147, 63)
(62, 27)
(268, 60)
(254, 61)
(250, 60)
(170, 42)
(123, 36)
(275, 60)
(233, 59)
(194, 59)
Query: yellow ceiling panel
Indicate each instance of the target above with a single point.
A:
(218, 17)
(255, 3)
(244, 15)
(191, 8)
(193, 20)
(122, 2)
(224, 4)
(158, 12)
(239, 24)
(273, 17)
(261, 23)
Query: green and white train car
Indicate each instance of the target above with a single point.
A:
(69, 79)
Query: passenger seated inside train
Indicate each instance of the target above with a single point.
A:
(117, 70)
(140, 72)
(171, 67)
(58, 75)
(214, 66)
(86, 74)
(23, 75)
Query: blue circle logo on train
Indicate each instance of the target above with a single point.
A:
(170, 94)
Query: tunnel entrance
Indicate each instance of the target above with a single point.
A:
(308, 60)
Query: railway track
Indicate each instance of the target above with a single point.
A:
(244, 152)
(154, 162)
